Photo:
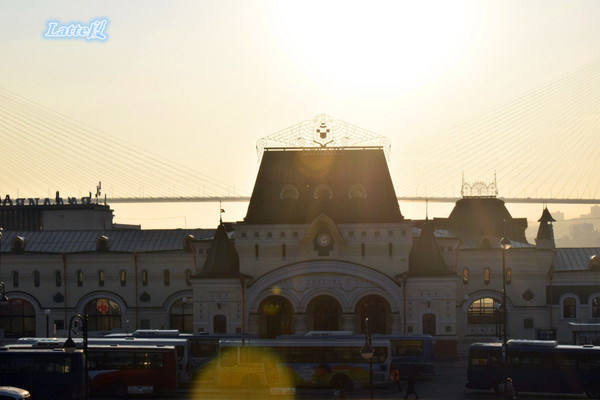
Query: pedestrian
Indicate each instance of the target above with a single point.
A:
(510, 389)
(410, 386)
(396, 379)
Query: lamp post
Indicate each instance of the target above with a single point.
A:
(505, 244)
(70, 345)
(47, 312)
(3, 298)
(367, 352)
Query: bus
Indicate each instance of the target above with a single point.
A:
(120, 370)
(294, 361)
(203, 347)
(182, 346)
(46, 374)
(535, 366)
(411, 354)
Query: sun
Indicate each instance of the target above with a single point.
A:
(374, 45)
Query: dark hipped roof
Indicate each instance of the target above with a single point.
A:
(342, 170)
(425, 258)
(126, 241)
(485, 216)
(223, 260)
(545, 230)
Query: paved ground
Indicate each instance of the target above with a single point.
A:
(447, 384)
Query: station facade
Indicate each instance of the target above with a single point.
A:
(323, 246)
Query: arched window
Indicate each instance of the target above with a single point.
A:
(275, 316)
(167, 277)
(486, 275)
(144, 277)
(17, 318)
(79, 276)
(363, 249)
(36, 278)
(15, 278)
(569, 307)
(103, 315)
(182, 315)
(465, 278)
(58, 278)
(326, 314)
(482, 311)
(390, 249)
(377, 309)
(123, 277)
(220, 324)
(101, 278)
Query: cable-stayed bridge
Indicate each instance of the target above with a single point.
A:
(542, 147)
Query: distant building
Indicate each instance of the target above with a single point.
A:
(323, 246)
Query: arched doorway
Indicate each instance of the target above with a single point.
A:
(324, 314)
(219, 324)
(103, 315)
(377, 309)
(429, 324)
(17, 318)
(275, 316)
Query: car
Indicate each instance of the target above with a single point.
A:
(13, 393)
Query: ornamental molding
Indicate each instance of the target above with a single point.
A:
(300, 283)
(323, 133)
(479, 188)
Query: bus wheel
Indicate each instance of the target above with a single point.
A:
(120, 390)
(251, 381)
(500, 387)
(593, 391)
(341, 381)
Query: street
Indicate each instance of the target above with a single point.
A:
(448, 383)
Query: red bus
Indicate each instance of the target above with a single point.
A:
(121, 370)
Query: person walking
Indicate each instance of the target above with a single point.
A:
(396, 379)
(510, 389)
(410, 386)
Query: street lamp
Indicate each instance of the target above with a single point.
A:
(47, 312)
(505, 244)
(70, 345)
(367, 352)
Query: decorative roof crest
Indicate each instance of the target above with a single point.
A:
(323, 132)
(479, 188)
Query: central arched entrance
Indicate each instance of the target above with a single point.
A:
(324, 314)
(377, 309)
(275, 317)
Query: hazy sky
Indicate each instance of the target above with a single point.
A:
(201, 81)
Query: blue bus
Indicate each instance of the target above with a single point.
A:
(535, 366)
(46, 374)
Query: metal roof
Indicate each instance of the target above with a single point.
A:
(574, 259)
(126, 241)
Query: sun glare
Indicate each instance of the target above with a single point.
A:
(374, 45)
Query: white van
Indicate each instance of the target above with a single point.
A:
(13, 393)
